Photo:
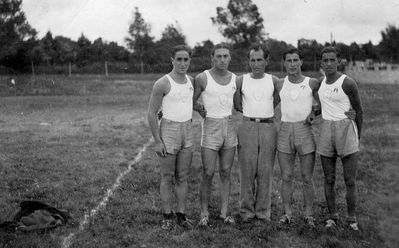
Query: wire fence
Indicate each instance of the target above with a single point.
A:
(106, 68)
(44, 79)
(66, 79)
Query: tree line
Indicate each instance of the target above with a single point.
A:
(239, 22)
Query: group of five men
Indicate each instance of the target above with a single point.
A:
(214, 93)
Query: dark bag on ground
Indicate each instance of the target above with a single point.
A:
(34, 215)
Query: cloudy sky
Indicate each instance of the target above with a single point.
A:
(287, 20)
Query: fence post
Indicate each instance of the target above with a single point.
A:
(33, 68)
(106, 68)
(70, 69)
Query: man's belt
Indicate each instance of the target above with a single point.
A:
(260, 120)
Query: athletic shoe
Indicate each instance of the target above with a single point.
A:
(167, 224)
(285, 219)
(204, 222)
(309, 220)
(330, 223)
(354, 226)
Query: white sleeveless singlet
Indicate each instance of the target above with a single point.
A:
(177, 105)
(257, 96)
(296, 100)
(218, 99)
(334, 101)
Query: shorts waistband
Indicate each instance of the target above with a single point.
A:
(181, 122)
(342, 120)
(219, 118)
(259, 120)
(294, 122)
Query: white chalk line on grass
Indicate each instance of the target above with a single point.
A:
(67, 242)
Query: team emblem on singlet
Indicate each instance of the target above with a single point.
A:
(329, 94)
(258, 95)
(224, 100)
(294, 94)
(185, 95)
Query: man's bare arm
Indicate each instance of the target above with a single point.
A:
(314, 84)
(350, 88)
(238, 94)
(199, 86)
(159, 90)
(278, 84)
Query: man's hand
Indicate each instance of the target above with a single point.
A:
(310, 118)
(160, 114)
(351, 114)
(316, 109)
(202, 112)
(160, 149)
(200, 109)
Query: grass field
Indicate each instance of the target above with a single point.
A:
(66, 146)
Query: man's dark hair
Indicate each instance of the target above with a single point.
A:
(330, 49)
(220, 45)
(178, 48)
(259, 47)
(292, 51)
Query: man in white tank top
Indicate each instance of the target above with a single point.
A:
(173, 138)
(295, 135)
(339, 136)
(219, 138)
(256, 97)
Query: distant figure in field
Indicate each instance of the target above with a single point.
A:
(256, 97)
(295, 135)
(173, 138)
(216, 86)
(339, 135)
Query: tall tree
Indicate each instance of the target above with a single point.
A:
(310, 50)
(356, 52)
(84, 51)
(139, 40)
(48, 47)
(389, 45)
(116, 52)
(66, 50)
(203, 49)
(240, 22)
(370, 51)
(99, 51)
(171, 36)
(201, 56)
(14, 30)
